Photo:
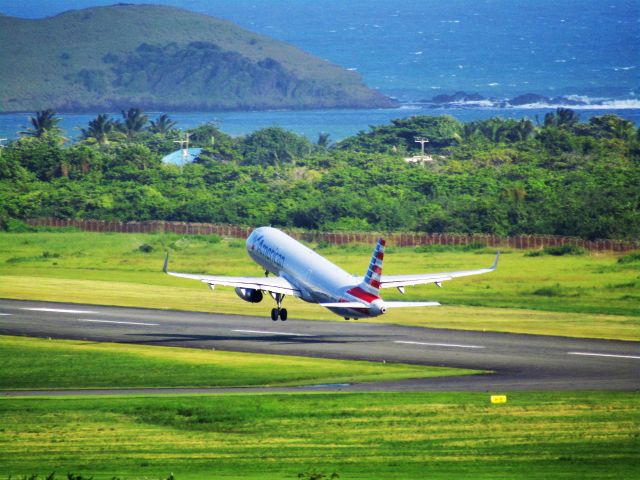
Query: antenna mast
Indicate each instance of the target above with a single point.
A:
(184, 145)
(421, 141)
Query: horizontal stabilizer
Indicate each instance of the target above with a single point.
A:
(410, 304)
(344, 305)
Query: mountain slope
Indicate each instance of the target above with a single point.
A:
(160, 57)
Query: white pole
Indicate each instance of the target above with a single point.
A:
(421, 141)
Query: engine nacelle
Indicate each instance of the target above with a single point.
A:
(249, 294)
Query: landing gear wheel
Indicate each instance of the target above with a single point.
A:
(278, 312)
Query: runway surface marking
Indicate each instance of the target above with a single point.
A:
(452, 345)
(264, 332)
(5, 314)
(113, 321)
(57, 310)
(587, 354)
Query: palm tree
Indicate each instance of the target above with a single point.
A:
(323, 140)
(134, 122)
(99, 129)
(563, 117)
(567, 117)
(524, 129)
(44, 123)
(162, 125)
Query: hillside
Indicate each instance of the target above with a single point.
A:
(497, 176)
(163, 58)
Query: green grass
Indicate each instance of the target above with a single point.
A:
(32, 363)
(359, 436)
(584, 296)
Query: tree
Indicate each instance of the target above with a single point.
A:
(323, 140)
(563, 117)
(134, 121)
(44, 158)
(525, 129)
(100, 129)
(567, 117)
(442, 132)
(216, 145)
(273, 146)
(163, 125)
(44, 123)
(612, 126)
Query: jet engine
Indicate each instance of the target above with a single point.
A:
(249, 294)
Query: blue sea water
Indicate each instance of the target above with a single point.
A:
(415, 49)
(338, 123)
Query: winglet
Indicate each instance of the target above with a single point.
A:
(166, 263)
(495, 262)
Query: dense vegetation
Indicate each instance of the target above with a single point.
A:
(162, 58)
(493, 176)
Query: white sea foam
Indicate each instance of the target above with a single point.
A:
(474, 103)
(617, 104)
(629, 104)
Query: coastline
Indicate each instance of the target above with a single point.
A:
(339, 123)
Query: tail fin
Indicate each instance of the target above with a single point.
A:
(371, 282)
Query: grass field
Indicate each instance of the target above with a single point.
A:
(583, 296)
(358, 436)
(550, 435)
(33, 363)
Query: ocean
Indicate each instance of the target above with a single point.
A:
(338, 123)
(413, 50)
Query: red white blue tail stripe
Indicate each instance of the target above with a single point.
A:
(371, 282)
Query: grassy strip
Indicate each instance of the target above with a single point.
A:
(180, 297)
(60, 364)
(358, 436)
(590, 295)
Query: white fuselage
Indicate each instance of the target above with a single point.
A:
(318, 280)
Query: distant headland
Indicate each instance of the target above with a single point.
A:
(163, 58)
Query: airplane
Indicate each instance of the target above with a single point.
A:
(301, 272)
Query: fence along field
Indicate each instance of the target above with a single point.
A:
(525, 242)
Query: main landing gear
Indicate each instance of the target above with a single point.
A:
(279, 312)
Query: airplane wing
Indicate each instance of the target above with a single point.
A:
(400, 281)
(268, 284)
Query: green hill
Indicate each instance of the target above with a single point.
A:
(164, 58)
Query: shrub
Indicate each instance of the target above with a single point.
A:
(630, 258)
(561, 250)
(555, 291)
(16, 226)
(146, 248)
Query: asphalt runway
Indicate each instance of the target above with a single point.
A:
(519, 362)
